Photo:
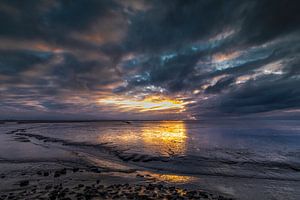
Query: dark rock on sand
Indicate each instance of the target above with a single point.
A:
(56, 174)
(46, 173)
(24, 183)
(60, 172)
(75, 169)
(115, 191)
(48, 187)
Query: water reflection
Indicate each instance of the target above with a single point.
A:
(172, 178)
(166, 138)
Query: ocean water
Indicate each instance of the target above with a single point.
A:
(247, 159)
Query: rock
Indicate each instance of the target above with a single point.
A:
(57, 174)
(61, 194)
(46, 174)
(48, 187)
(116, 191)
(75, 169)
(116, 197)
(63, 171)
(24, 183)
(60, 172)
(87, 196)
(143, 196)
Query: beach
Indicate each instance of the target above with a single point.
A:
(60, 181)
(137, 160)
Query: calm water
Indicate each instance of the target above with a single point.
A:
(246, 159)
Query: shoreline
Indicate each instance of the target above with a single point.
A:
(59, 172)
(65, 180)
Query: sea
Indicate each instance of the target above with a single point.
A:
(246, 159)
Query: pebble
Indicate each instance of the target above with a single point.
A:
(75, 169)
(46, 173)
(58, 173)
(48, 187)
(116, 191)
(24, 183)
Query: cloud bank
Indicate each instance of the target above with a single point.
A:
(67, 59)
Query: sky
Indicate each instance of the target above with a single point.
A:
(135, 59)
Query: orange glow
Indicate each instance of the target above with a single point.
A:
(172, 178)
(167, 139)
(153, 103)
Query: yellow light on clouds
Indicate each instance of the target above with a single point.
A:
(152, 103)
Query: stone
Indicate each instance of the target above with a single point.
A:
(75, 169)
(24, 183)
(46, 174)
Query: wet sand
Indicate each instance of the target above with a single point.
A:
(46, 180)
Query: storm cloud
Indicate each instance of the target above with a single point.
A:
(62, 59)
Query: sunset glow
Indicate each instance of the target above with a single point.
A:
(172, 178)
(141, 99)
(167, 139)
(153, 103)
(147, 60)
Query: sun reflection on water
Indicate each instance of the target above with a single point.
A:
(172, 178)
(166, 138)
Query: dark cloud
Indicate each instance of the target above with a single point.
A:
(171, 24)
(260, 97)
(14, 62)
(221, 57)
(220, 85)
(49, 18)
(269, 19)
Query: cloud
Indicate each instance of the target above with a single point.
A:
(170, 24)
(260, 97)
(269, 19)
(60, 58)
